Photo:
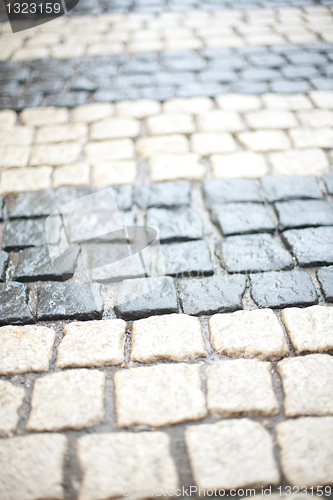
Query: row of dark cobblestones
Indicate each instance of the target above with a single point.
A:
(209, 72)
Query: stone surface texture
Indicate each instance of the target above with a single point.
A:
(11, 398)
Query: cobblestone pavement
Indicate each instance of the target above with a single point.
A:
(213, 123)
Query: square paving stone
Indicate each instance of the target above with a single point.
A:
(164, 194)
(211, 295)
(39, 203)
(159, 395)
(31, 467)
(14, 304)
(307, 385)
(231, 454)
(328, 179)
(25, 349)
(92, 343)
(35, 265)
(283, 288)
(191, 258)
(70, 300)
(253, 253)
(306, 450)
(11, 398)
(311, 246)
(325, 278)
(3, 264)
(248, 334)
(71, 399)
(242, 218)
(105, 458)
(22, 233)
(175, 225)
(310, 329)
(279, 188)
(139, 298)
(241, 387)
(230, 191)
(297, 214)
(173, 337)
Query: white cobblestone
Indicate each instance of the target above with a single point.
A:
(90, 113)
(11, 398)
(310, 161)
(121, 149)
(25, 349)
(241, 164)
(316, 118)
(77, 175)
(219, 121)
(265, 140)
(159, 395)
(25, 179)
(312, 138)
(171, 167)
(241, 386)
(92, 343)
(170, 124)
(192, 105)
(291, 102)
(248, 334)
(114, 173)
(7, 119)
(310, 329)
(67, 400)
(207, 144)
(322, 98)
(308, 385)
(231, 454)
(238, 102)
(14, 156)
(62, 133)
(138, 109)
(114, 128)
(37, 117)
(112, 462)
(306, 450)
(150, 147)
(269, 119)
(55, 154)
(171, 337)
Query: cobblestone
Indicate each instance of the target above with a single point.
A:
(290, 188)
(104, 460)
(164, 194)
(32, 466)
(265, 140)
(309, 329)
(240, 164)
(297, 214)
(11, 398)
(24, 233)
(67, 400)
(281, 289)
(293, 162)
(141, 297)
(25, 179)
(92, 344)
(14, 304)
(211, 295)
(305, 392)
(325, 276)
(311, 246)
(172, 167)
(248, 334)
(25, 349)
(246, 459)
(187, 259)
(241, 387)
(159, 395)
(309, 438)
(175, 225)
(242, 218)
(230, 191)
(3, 263)
(167, 338)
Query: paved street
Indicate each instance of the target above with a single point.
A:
(174, 332)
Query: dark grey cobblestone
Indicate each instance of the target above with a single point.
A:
(297, 214)
(14, 304)
(24, 233)
(162, 299)
(282, 289)
(252, 70)
(243, 218)
(164, 194)
(311, 246)
(3, 263)
(325, 278)
(231, 191)
(211, 295)
(282, 188)
(187, 259)
(175, 225)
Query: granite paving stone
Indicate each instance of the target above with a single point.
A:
(31, 467)
(164, 194)
(3, 264)
(242, 218)
(39, 203)
(92, 344)
(159, 395)
(175, 225)
(71, 399)
(142, 297)
(231, 454)
(35, 265)
(306, 450)
(241, 164)
(307, 385)
(265, 140)
(299, 162)
(25, 349)
(325, 278)
(310, 329)
(172, 167)
(170, 337)
(190, 258)
(253, 253)
(24, 233)
(11, 398)
(283, 289)
(285, 188)
(241, 387)
(218, 192)
(105, 463)
(69, 300)
(328, 179)
(248, 334)
(211, 295)
(14, 304)
(298, 214)
(311, 246)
